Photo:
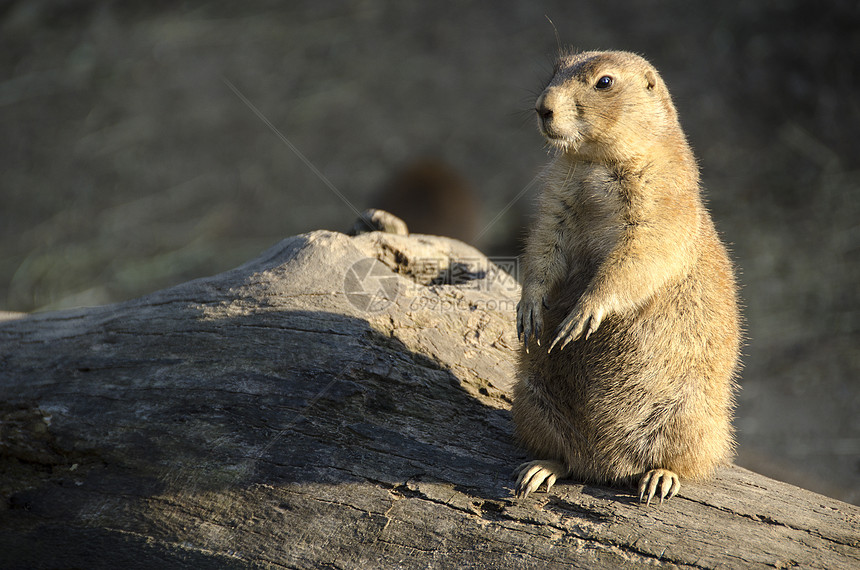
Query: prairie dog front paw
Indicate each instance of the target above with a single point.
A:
(582, 321)
(530, 318)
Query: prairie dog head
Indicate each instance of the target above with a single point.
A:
(606, 106)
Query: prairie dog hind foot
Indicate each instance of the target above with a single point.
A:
(668, 482)
(532, 474)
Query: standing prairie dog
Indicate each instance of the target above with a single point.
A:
(629, 312)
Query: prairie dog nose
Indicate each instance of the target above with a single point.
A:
(543, 110)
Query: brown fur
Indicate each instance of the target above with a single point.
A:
(624, 252)
(433, 198)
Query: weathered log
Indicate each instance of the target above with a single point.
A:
(338, 402)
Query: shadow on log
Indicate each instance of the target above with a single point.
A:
(338, 402)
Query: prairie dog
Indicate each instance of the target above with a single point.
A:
(629, 313)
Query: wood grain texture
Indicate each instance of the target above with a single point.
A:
(264, 418)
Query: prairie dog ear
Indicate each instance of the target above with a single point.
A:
(650, 79)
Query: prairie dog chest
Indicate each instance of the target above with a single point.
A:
(592, 208)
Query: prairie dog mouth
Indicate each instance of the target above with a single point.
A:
(555, 138)
(559, 141)
(548, 132)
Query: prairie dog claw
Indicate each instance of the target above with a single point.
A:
(533, 473)
(667, 481)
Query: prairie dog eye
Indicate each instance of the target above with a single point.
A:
(604, 82)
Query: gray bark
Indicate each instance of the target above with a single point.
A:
(279, 415)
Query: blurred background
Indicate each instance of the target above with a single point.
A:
(130, 161)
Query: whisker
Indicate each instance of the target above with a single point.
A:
(554, 29)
